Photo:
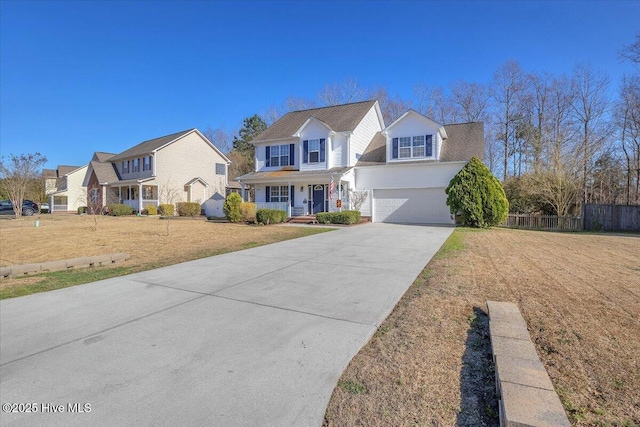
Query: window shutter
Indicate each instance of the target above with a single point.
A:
(268, 156)
(395, 148)
(292, 153)
(429, 145)
(292, 198)
(322, 150)
(305, 151)
(268, 195)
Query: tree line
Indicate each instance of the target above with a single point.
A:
(555, 141)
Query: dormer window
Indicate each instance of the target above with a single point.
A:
(313, 151)
(413, 147)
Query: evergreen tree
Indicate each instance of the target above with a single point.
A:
(477, 195)
(251, 127)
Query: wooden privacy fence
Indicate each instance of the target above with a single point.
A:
(543, 222)
(611, 217)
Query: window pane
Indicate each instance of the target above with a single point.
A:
(275, 161)
(405, 153)
(418, 152)
(418, 141)
(284, 161)
(314, 145)
(313, 157)
(275, 150)
(405, 142)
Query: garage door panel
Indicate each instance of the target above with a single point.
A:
(412, 206)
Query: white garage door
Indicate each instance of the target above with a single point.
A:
(411, 205)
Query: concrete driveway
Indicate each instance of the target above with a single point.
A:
(253, 338)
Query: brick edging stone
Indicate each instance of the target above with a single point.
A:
(83, 262)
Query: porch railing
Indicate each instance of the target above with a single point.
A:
(281, 206)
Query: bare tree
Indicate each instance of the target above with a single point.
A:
(470, 101)
(341, 93)
(357, 198)
(631, 51)
(220, 137)
(507, 91)
(627, 117)
(16, 173)
(590, 104)
(168, 193)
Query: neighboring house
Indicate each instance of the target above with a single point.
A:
(404, 167)
(64, 187)
(181, 167)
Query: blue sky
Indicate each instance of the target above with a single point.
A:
(84, 76)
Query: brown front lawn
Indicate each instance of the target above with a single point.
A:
(429, 364)
(150, 241)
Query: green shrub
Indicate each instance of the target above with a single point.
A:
(270, 216)
(248, 212)
(166, 209)
(232, 207)
(116, 209)
(82, 210)
(477, 195)
(188, 208)
(151, 210)
(344, 217)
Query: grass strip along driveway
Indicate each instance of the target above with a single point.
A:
(429, 363)
(151, 242)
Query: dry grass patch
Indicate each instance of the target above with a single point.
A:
(151, 242)
(429, 363)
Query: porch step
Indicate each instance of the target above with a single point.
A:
(305, 219)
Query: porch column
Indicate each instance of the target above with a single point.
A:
(140, 197)
(120, 194)
(340, 194)
(51, 203)
(289, 209)
(242, 191)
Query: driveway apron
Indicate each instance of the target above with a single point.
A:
(258, 337)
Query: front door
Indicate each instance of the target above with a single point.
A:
(318, 199)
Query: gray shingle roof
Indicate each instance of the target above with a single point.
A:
(63, 170)
(105, 172)
(101, 156)
(340, 118)
(465, 140)
(147, 147)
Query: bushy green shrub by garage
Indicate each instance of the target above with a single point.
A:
(188, 208)
(344, 217)
(248, 212)
(270, 216)
(231, 207)
(166, 209)
(477, 195)
(151, 210)
(116, 209)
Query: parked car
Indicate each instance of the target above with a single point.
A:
(44, 208)
(28, 208)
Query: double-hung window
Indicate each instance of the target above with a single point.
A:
(314, 151)
(279, 193)
(279, 155)
(125, 166)
(413, 147)
(220, 169)
(146, 163)
(136, 165)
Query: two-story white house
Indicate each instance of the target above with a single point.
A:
(64, 188)
(181, 167)
(307, 162)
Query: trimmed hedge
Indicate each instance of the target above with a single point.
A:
(248, 212)
(270, 216)
(344, 217)
(166, 209)
(188, 208)
(116, 209)
(231, 207)
(151, 210)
